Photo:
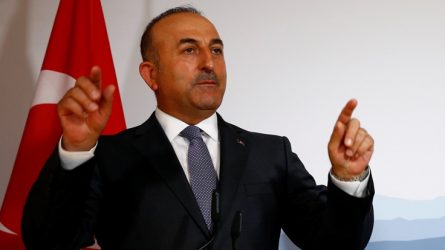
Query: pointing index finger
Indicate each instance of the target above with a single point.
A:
(96, 79)
(347, 111)
(96, 75)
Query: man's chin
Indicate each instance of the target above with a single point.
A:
(208, 103)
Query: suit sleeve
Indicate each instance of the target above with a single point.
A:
(319, 217)
(61, 207)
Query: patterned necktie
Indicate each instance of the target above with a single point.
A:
(203, 179)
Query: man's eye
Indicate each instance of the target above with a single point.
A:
(217, 51)
(189, 50)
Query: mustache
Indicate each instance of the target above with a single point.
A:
(206, 76)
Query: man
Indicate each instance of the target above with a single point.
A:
(140, 189)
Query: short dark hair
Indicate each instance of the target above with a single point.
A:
(148, 52)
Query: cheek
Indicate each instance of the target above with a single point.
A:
(221, 72)
(171, 87)
(182, 75)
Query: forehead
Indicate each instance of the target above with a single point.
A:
(183, 25)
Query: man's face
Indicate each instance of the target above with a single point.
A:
(191, 73)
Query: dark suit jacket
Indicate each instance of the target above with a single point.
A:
(134, 195)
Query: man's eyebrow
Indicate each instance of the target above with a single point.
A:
(216, 41)
(187, 40)
(194, 41)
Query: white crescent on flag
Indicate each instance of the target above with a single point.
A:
(51, 86)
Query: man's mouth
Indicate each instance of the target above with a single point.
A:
(207, 82)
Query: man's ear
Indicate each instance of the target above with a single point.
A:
(148, 72)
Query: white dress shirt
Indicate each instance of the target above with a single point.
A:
(173, 127)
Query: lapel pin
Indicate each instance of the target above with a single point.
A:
(240, 142)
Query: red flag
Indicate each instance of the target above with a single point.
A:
(78, 41)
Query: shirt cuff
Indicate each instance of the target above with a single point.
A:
(353, 188)
(72, 159)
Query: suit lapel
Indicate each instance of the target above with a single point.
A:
(151, 141)
(234, 150)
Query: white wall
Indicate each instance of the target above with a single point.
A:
(291, 67)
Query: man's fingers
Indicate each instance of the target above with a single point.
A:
(96, 75)
(359, 138)
(89, 88)
(367, 145)
(83, 99)
(85, 96)
(70, 106)
(107, 99)
(353, 127)
(77, 102)
(346, 112)
(337, 136)
(95, 79)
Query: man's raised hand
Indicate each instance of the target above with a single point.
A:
(84, 111)
(350, 147)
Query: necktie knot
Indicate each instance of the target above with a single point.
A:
(191, 133)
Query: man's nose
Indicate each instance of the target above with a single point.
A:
(207, 61)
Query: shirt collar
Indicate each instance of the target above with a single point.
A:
(173, 126)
